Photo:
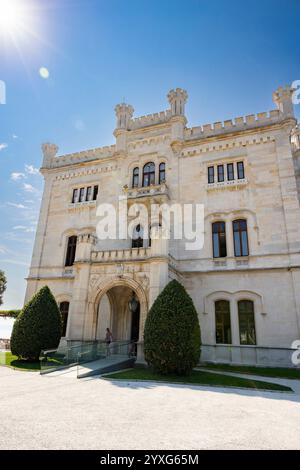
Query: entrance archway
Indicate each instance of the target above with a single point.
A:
(118, 309)
(104, 287)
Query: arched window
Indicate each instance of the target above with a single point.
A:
(137, 237)
(246, 322)
(223, 325)
(240, 237)
(71, 250)
(162, 173)
(135, 177)
(149, 174)
(219, 240)
(64, 310)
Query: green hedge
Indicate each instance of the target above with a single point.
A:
(38, 326)
(172, 332)
(10, 313)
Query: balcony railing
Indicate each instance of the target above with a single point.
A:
(120, 255)
(227, 184)
(146, 191)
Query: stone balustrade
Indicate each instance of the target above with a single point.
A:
(130, 254)
(153, 190)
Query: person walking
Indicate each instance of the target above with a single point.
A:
(108, 340)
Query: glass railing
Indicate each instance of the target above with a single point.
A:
(83, 352)
(66, 355)
(104, 357)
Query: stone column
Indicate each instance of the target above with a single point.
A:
(159, 263)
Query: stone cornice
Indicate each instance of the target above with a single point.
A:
(216, 144)
(84, 171)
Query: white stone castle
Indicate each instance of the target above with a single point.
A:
(245, 281)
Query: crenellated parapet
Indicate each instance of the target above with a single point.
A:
(150, 120)
(85, 244)
(51, 160)
(238, 124)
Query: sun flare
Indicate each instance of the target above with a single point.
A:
(11, 15)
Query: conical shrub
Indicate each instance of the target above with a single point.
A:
(38, 326)
(172, 338)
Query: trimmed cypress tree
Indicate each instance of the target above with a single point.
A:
(38, 326)
(172, 333)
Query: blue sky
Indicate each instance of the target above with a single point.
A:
(228, 55)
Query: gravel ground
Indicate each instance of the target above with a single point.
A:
(62, 412)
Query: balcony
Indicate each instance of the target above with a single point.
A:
(130, 254)
(234, 184)
(80, 206)
(154, 190)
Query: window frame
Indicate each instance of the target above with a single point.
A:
(71, 250)
(247, 342)
(230, 172)
(88, 193)
(220, 174)
(135, 175)
(148, 174)
(75, 195)
(241, 165)
(217, 323)
(241, 240)
(162, 170)
(209, 175)
(95, 192)
(138, 242)
(218, 232)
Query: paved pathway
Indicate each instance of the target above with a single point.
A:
(62, 412)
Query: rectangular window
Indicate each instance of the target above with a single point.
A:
(220, 173)
(71, 250)
(246, 322)
(75, 196)
(95, 193)
(240, 237)
(88, 193)
(81, 195)
(230, 172)
(211, 174)
(219, 240)
(223, 326)
(240, 170)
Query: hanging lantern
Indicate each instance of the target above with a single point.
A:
(133, 303)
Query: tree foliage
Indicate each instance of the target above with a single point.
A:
(172, 332)
(38, 326)
(2, 285)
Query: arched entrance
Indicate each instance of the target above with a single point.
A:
(118, 309)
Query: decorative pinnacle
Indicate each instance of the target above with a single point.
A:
(124, 113)
(177, 99)
(282, 97)
(49, 150)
